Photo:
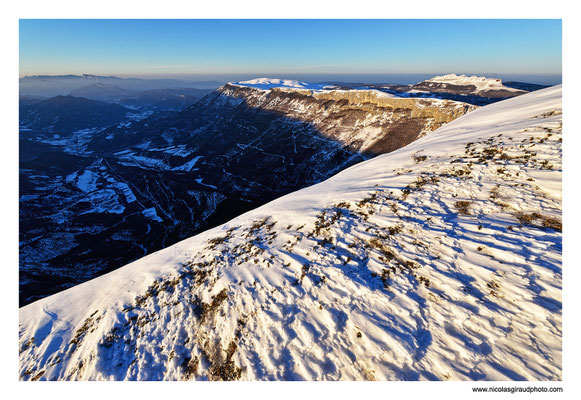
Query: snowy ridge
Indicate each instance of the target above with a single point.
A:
(271, 83)
(480, 82)
(438, 261)
(289, 84)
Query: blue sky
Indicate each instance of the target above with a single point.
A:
(267, 47)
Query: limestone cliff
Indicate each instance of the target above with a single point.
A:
(366, 121)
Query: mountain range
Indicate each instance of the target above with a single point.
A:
(53, 85)
(93, 198)
(65, 114)
(439, 260)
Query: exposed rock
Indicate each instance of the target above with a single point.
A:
(359, 119)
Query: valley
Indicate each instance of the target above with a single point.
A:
(95, 198)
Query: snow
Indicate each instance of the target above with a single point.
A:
(151, 213)
(374, 92)
(105, 201)
(482, 83)
(137, 116)
(70, 178)
(101, 199)
(201, 182)
(288, 84)
(270, 83)
(129, 158)
(180, 151)
(87, 131)
(438, 261)
(28, 197)
(87, 181)
(127, 192)
(188, 166)
(379, 93)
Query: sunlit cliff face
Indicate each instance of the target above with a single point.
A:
(368, 121)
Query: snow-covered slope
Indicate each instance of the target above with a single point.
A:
(441, 260)
(477, 85)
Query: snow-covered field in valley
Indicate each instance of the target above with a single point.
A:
(438, 261)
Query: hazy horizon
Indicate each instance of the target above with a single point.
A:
(398, 78)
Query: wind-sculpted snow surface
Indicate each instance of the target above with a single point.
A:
(439, 261)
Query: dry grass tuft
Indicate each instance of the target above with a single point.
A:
(463, 207)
